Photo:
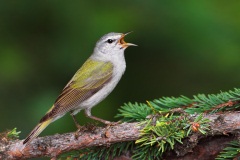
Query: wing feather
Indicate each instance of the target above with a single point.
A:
(88, 80)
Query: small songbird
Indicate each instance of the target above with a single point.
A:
(93, 82)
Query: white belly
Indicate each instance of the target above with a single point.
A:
(105, 91)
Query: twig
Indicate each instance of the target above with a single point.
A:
(52, 146)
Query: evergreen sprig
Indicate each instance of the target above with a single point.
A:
(230, 152)
(9, 135)
(167, 121)
(163, 134)
(200, 103)
(96, 153)
(134, 112)
(13, 134)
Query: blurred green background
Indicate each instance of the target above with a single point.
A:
(185, 48)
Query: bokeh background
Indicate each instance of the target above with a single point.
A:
(185, 48)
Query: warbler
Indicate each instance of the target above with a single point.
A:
(93, 82)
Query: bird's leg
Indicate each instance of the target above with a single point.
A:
(108, 123)
(88, 114)
(75, 120)
(79, 127)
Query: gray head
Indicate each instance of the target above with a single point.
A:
(112, 43)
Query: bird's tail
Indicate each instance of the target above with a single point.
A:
(37, 130)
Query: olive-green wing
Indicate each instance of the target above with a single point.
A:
(88, 80)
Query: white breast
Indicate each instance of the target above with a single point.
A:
(118, 70)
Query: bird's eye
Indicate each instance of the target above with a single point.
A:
(110, 40)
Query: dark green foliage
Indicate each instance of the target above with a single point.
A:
(134, 112)
(199, 104)
(230, 152)
(159, 137)
(162, 133)
(167, 103)
(166, 122)
(205, 103)
(98, 153)
(146, 152)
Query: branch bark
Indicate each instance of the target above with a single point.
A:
(51, 146)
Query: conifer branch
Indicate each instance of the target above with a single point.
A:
(53, 146)
(153, 128)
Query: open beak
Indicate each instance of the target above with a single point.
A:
(123, 43)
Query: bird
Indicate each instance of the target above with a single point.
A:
(92, 83)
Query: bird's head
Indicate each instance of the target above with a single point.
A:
(112, 43)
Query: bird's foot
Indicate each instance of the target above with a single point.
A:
(79, 129)
(108, 123)
(111, 124)
(107, 129)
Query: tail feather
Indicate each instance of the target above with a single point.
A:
(37, 130)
